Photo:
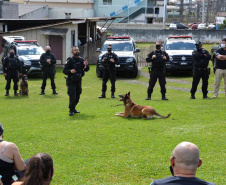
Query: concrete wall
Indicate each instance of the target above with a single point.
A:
(8, 10)
(59, 13)
(36, 14)
(145, 35)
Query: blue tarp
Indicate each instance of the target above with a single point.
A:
(136, 1)
(124, 7)
(112, 14)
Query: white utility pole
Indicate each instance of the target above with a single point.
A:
(164, 14)
(203, 9)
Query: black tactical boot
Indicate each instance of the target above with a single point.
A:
(54, 91)
(103, 95)
(149, 97)
(164, 98)
(7, 93)
(192, 97)
(205, 96)
(71, 113)
(15, 93)
(112, 95)
(76, 111)
(42, 92)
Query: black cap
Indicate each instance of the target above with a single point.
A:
(1, 129)
(198, 43)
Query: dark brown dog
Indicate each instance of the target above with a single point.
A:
(23, 86)
(137, 111)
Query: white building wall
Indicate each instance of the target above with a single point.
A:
(43, 40)
(59, 13)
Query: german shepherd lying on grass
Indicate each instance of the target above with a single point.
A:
(137, 111)
(23, 86)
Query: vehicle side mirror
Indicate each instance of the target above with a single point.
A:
(137, 50)
(98, 50)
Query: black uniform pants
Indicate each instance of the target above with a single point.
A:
(74, 92)
(154, 75)
(45, 75)
(108, 74)
(197, 75)
(9, 77)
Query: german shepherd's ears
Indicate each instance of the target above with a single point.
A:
(128, 93)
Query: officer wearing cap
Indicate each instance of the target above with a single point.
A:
(158, 59)
(11, 68)
(200, 69)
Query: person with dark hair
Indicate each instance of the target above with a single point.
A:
(39, 170)
(75, 68)
(10, 159)
(184, 163)
(220, 68)
(109, 60)
(48, 62)
(201, 61)
(11, 68)
(158, 59)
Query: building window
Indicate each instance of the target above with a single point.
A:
(73, 38)
(107, 2)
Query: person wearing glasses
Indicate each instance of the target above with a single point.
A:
(109, 60)
(184, 163)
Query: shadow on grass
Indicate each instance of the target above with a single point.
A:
(12, 97)
(81, 116)
(49, 96)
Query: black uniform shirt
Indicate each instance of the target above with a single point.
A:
(107, 64)
(44, 63)
(11, 64)
(158, 62)
(221, 64)
(77, 64)
(200, 60)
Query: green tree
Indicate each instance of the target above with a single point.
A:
(223, 26)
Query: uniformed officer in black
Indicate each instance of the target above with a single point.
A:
(74, 68)
(109, 60)
(11, 68)
(48, 62)
(200, 69)
(158, 59)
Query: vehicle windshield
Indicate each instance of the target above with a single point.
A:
(180, 46)
(30, 51)
(119, 46)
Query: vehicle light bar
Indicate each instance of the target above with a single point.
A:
(25, 41)
(119, 37)
(180, 37)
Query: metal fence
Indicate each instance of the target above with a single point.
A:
(141, 56)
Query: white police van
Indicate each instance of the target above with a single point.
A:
(179, 49)
(125, 48)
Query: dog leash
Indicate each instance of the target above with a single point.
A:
(116, 105)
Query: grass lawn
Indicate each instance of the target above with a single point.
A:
(96, 147)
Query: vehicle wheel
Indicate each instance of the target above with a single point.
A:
(99, 73)
(135, 72)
